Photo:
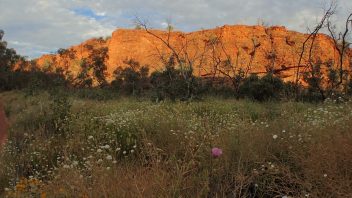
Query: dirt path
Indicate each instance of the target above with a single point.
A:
(3, 125)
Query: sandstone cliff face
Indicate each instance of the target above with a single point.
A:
(255, 47)
(70, 61)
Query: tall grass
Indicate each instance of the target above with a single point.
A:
(63, 146)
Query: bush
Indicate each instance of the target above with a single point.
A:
(349, 87)
(132, 80)
(174, 84)
(266, 88)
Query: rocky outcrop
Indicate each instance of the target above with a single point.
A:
(255, 47)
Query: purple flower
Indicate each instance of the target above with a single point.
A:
(216, 152)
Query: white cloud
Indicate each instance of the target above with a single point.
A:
(38, 26)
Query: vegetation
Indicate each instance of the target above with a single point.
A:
(60, 148)
(171, 134)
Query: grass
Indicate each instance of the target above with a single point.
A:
(63, 146)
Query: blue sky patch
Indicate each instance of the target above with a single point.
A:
(89, 13)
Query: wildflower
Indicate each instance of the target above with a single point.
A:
(107, 168)
(114, 162)
(216, 152)
(106, 146)
(132, 151)
(66, 166)
(90, 137)
(75, 163)
(325, 175)
(109, 157)
(99, 150)
(275, 137)
(124, 152)
(284, 131)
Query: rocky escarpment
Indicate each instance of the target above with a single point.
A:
(255, 48)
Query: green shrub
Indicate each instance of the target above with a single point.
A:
(266, 88)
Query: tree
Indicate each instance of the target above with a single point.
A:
(341, 44)
(66, 55)
(84, 79)
(184, 62)
(133, 79)
(93, 67)
(8, 58)
(268, 87)
(170, 83)
(312, 37)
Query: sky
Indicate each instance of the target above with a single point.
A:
(36, 27)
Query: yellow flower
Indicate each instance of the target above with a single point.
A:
(43, 195)
(20, 187)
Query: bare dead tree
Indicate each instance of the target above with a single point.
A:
(222, 63)
(341, 43)
(183, 59)
(312, 36)
(166, 42)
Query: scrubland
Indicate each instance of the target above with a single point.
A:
(65, 146)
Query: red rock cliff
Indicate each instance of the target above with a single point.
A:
(256, 46)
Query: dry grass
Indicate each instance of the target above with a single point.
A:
(126, 148)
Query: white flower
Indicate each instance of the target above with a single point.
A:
(118, 149)
(66, 166)
(114, 162)
(284, 131)
(90, 137)
(109, 157)
(99, 150)
(107, 168)
(106, 147)
(100, 161)
(75, 163)
(275, 137)
(325, 175)
(124, 152)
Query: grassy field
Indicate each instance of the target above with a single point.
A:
(70, 147)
